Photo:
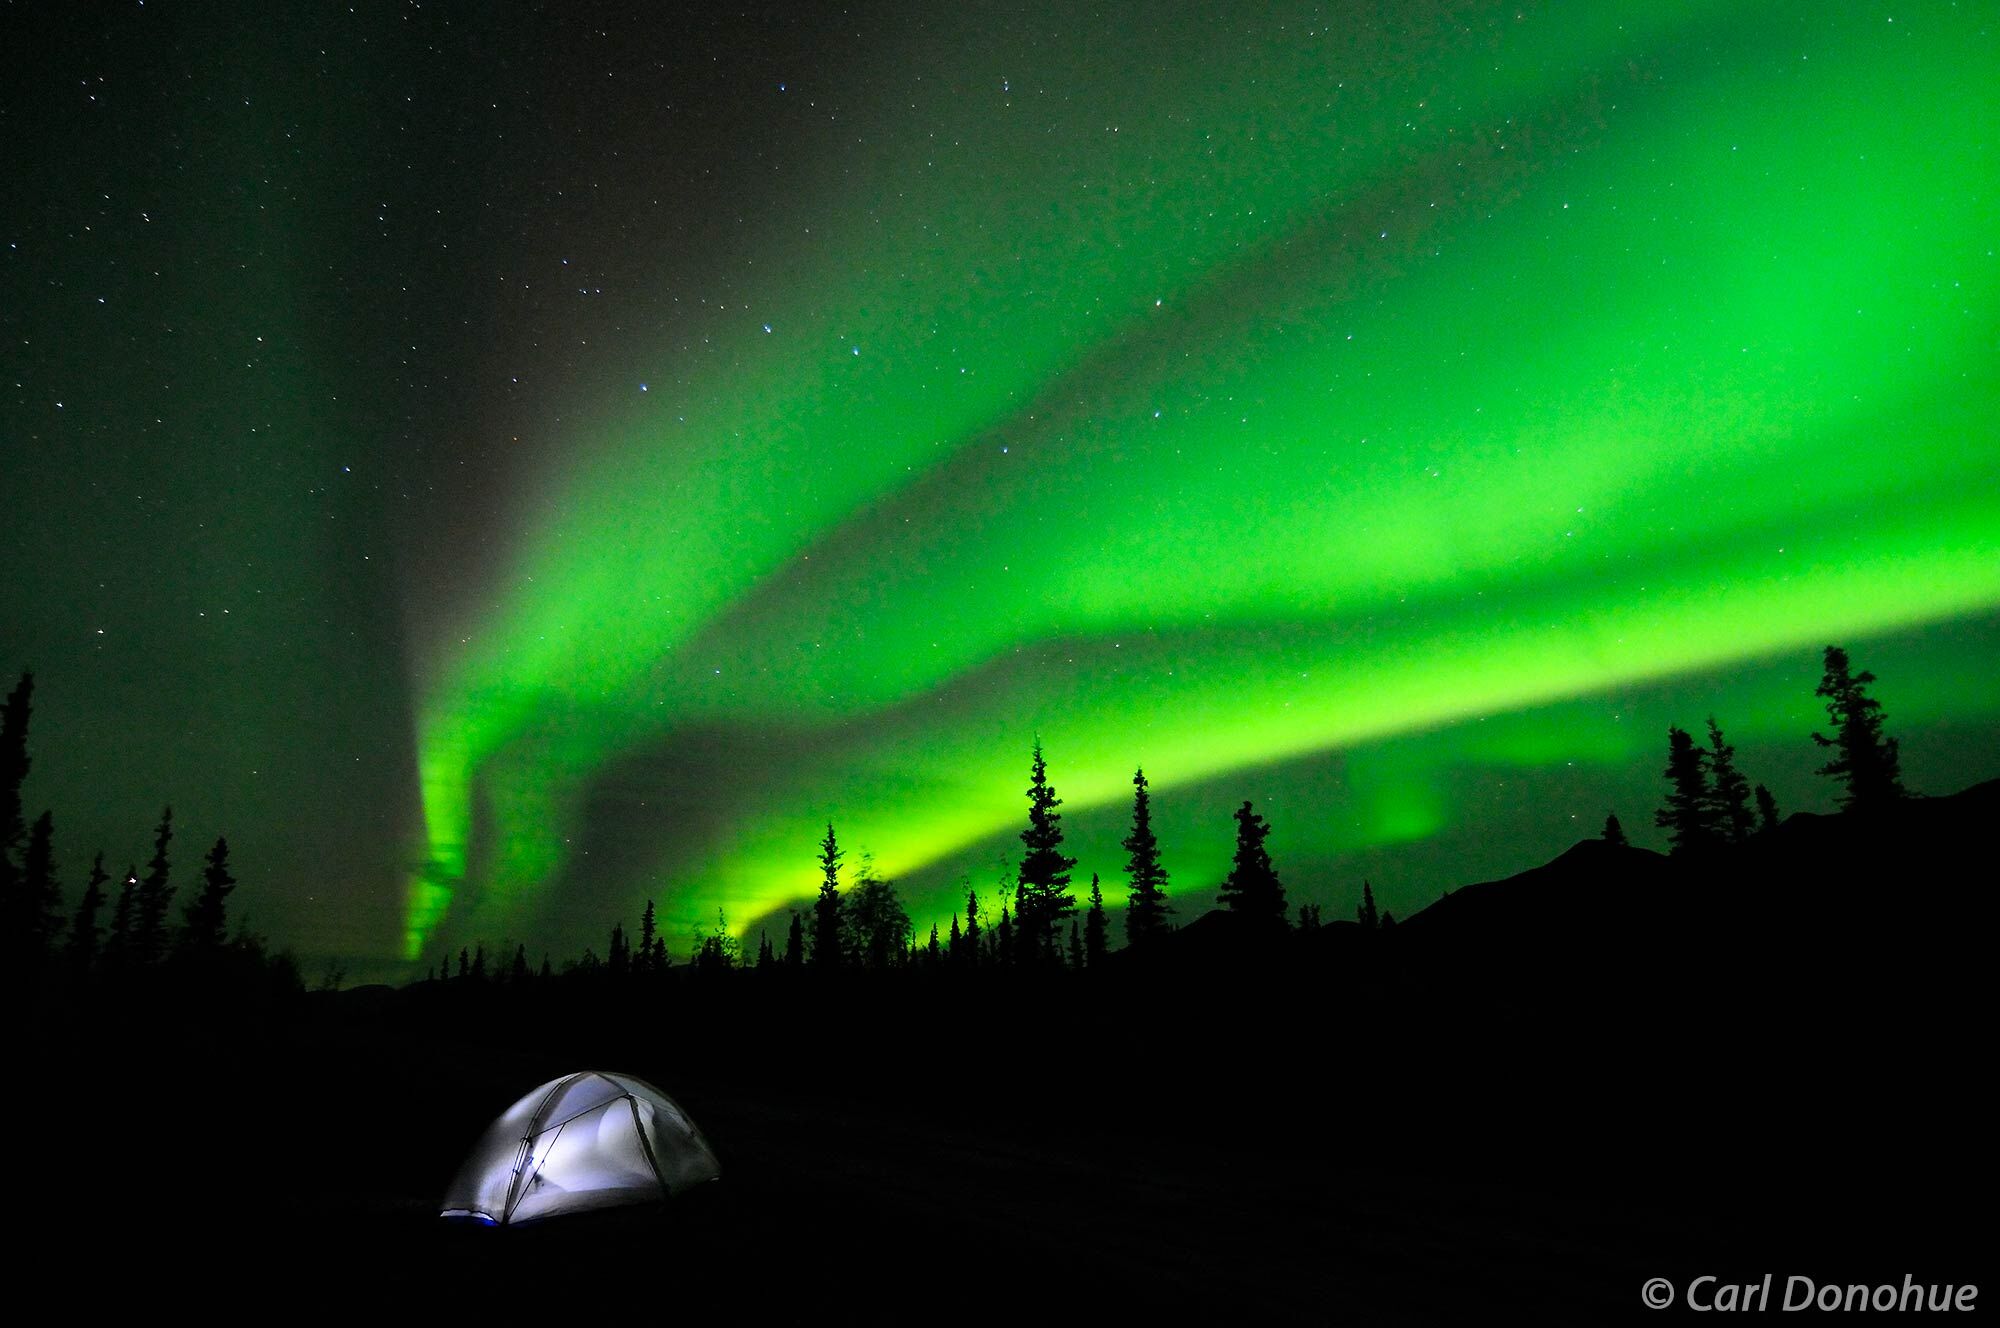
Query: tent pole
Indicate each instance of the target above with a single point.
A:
(646, 1146)
(527, 1147)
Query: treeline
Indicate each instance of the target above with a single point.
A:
(863, 926)
(855, 925)
(1711, 803)
(134, 934)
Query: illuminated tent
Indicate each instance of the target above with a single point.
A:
(584, 1141)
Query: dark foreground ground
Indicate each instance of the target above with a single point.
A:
(1490, 1185)
(1517, 1111)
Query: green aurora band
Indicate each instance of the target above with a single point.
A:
(1214, 401)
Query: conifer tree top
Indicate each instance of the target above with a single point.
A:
(1252, 887)
(1044, 865)
(1867, 764)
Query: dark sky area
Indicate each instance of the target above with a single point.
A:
(499, 464)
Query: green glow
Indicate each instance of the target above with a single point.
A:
(1360, 384)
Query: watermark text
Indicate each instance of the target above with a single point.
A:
(1797, 1293)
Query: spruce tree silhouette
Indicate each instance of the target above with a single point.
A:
(1686, 815)
(1252, 888)
(1614, 833)
(1075, 947)
(85, 936)
(1866, 763)
(645, 961)
(148, 941)
(1093, 926)
(973, 954)
(40, 892)
(118, 944)
(795, 942)
(1767, 811)
(1041, 897)
(517, 973)
(826, 909)
(1365, 913)
(618, 955)
(1146, 910)
(1003, 940)
(955, 943)
(1728, 791)
(204, 922)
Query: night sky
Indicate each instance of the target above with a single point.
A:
(502, 463)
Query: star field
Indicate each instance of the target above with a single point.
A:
(500, 472)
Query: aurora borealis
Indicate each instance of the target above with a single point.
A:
(622, 444)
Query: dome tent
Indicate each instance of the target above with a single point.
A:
(585, 1141)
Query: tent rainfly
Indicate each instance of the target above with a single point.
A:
(584, 1141)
